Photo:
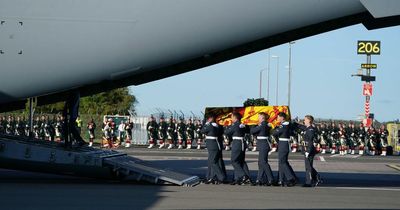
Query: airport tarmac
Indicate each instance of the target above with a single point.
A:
(352, 181)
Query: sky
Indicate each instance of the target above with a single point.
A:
(321, 79)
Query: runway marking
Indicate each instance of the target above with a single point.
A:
(346, 156)
(396, 167)
(363, 188)
(322, 159)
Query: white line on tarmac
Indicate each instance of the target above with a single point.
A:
(363, 188)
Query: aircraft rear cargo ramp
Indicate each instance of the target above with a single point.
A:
(35, 155)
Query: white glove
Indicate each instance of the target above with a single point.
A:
(242, 126)
(214, 124)
(306, 154)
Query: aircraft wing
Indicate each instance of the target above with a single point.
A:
(51, 47)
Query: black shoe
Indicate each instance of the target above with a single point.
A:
(257, 183)
(245, 180)
(217, 182)
(279, 184)
(291, 183)
(208, 181)
(236, 182)
(318, 180)
(269, 184)
(307, 185)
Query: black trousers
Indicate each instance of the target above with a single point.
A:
(264, 169)
(311, 173)
(238, 159)
(285, 170)
(216, 166)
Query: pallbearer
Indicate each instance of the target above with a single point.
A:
(262, 131)
(215, 173)
(282, 134)
(310, 137)
(237, 132)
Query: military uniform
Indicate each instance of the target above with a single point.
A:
(91, 126)
(371, 141)
(162, 132)
(19, 128)
(180, 129)
(383, 134)
(215, 173)
(58, 128)
(10, 126)
(198, 136)
(361, 134)
(310, 138)
(282, 134)
(241, 172)
(342, 141)
(152, 132)
(333, 138)
(323, 135)
(189, 134)
(262, 132)
(171, 133)
(129, 133)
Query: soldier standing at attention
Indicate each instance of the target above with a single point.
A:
(310, 135)
(91, 126)
(237, 132)
(171, 133)
(162, 132)
(215, 173)
(189, 133)
(197, 134)
(152, 132)
(181, 128)
(282, 134)
(129, 133)
(262, 131)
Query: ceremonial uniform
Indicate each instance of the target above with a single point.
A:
(58, 127)
(383, 134)
(121, 132)
(371, 144)
(323, 135)
(189, 134)
(262, 132)
(181, 131)
(91, 126)
(310, 138)
(241, 172)
(198, 136)
(361, 136)
(10, 126)
(282, 134)
(333, 138)
(152, 132)
(351, 138)
(19, 128)
(342, 140)
(171, 133)
(162, 133)
(129, 133)
(215, 171)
